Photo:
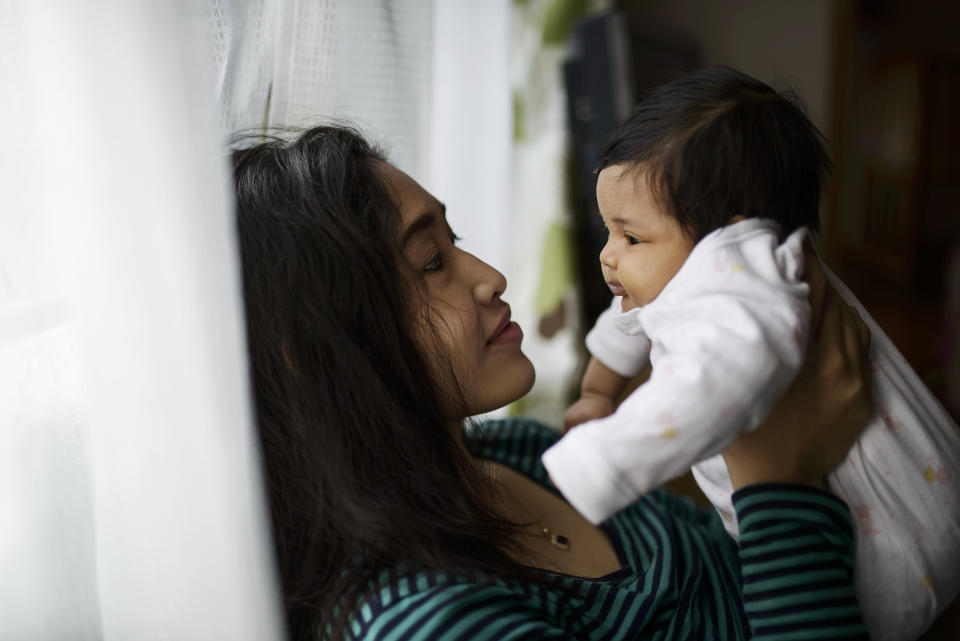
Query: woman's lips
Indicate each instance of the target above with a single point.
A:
(511, 333)
(617, 289)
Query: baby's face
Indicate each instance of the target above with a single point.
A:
(645, 247)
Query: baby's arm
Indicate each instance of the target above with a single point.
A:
(599, 387)
(722, 374)
(615, 358)
(730, 338)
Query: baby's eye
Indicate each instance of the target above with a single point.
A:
(631, 240)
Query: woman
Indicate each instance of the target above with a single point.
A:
(372, 337)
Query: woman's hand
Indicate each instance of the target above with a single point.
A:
(810, 430)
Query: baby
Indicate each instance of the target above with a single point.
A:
(708, 191)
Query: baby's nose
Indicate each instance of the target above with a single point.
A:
(608, 257)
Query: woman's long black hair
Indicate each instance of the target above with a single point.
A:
(362, 469)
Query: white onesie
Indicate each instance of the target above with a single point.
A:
(725, 337)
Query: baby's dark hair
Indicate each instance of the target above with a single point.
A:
(718, 143)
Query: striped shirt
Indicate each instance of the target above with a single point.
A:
(681, 576)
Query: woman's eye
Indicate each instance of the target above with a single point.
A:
(434, 264)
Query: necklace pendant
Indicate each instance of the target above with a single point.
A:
(559, 541)
(556, 540)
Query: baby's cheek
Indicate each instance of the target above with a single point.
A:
(639, 278)
(649, 271)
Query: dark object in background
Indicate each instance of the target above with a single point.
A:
(893, 228)
(611, 63)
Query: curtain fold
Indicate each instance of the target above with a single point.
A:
(129, 478)
(130, 488)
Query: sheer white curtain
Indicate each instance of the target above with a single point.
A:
(470, 127)
(129, 489)
(130, 495)
(301, 62)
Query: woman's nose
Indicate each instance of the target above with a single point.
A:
(489, 283)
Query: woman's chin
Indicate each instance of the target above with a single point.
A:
(527, 385)
(506, 385)
(528, 375)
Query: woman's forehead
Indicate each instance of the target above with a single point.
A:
(413, 201)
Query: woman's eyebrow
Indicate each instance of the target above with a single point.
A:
(424, 221)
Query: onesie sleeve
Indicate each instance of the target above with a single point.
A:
(729, 336)
(625, 354)
(796, 553)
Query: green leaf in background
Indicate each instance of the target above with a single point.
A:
(558, 19)
(556, 270)
(519, 118)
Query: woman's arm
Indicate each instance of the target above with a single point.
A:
(796, 553)
(810, 430)
(796, 541)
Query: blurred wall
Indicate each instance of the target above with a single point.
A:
(773, 40)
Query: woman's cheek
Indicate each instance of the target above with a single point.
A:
(451, 349)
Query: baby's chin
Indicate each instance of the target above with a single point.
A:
(628, 302)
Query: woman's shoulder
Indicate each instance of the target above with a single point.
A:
(442, 607)
(515, 442)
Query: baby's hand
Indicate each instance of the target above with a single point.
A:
(588, 406)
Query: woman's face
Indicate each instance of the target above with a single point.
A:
(466, 315)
